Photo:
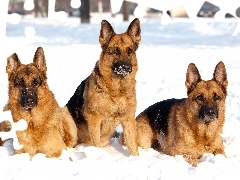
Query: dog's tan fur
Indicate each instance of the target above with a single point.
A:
(5, 126)
(50, 128)
(106, 99)
(185, 133)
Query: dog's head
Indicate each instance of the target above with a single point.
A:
(207, 98)
(118, 50)
(24, 80)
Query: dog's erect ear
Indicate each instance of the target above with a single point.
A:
(192, 77)
(39, 59)
(12, 63)
(220, 75)
(134, 31)
(106, 32)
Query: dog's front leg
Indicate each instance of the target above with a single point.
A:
(219, 150)
(130, 135)
(108, 128)
(191, 159)
(94, 130)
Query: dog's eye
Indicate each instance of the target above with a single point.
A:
(129, 51)
(19, 82)
(216, 97)
(116, 51)
(200, 98)
(35, 82)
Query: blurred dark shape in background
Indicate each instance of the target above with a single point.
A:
(207, 10)
(238, 12)
(41, 6)
(85, 11)
(126, 10)
(16, 6)
(63, 5)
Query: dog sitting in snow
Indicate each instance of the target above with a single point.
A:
(107, 97)
(51, 129)
(190, 126)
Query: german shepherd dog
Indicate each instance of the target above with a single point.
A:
(107, 97)
(190, 126)
(51, 129)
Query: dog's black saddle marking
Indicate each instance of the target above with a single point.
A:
(158, 114)
(75, 103)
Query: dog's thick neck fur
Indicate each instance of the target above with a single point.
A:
(115, 88)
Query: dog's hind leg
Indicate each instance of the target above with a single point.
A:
(70, 129)
(145, 135)
(53, 147)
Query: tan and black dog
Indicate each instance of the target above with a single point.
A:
(50, 128)
(107, 97)
(190, 126)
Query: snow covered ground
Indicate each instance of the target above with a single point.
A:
(71, 50)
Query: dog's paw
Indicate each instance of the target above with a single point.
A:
(191, 159)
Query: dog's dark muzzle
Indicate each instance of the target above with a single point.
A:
(208, 114)
(122, 68)
(28, 98)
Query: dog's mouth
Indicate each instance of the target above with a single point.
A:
(208, 114)
(28, 99)
(122, 68)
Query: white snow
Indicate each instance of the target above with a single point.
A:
(20, 125)
(71, 50)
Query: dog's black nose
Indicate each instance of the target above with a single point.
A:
(28, 98)
(208, 114)
(122, 68)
